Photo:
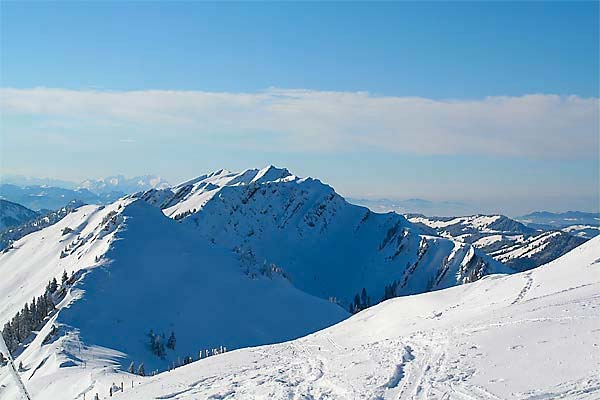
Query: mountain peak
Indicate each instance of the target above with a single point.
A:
(271, 173)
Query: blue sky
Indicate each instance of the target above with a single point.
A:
(399, 100)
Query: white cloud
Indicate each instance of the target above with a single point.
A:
(540, 126)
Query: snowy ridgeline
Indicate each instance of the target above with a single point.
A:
(226, 260)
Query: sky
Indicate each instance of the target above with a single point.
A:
(492, 104)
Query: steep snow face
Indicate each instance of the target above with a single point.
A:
(324, 245)
(138, 270)
(507, 240)
(532, 335)
(13, 214)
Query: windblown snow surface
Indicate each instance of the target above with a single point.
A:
(532, 335)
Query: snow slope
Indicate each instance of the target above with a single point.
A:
(532, 335)
(139, 270)
(326, 246)
(13, 214)
(507, 240)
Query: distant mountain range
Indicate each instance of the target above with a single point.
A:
(100, 191)
(582, 224)
(121, 184)
(519, 246)
(420, 206)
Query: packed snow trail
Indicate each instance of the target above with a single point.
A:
(13, 370)
(528, 336)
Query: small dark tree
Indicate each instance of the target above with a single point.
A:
(64, 278)
(131, 368)
(172, 341)
(141, 371)
(363, 299)
(52, 286)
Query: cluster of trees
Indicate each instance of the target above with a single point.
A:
(31, 316)
(158, 343)
(141, 371)
(360, 302)
(389, 292)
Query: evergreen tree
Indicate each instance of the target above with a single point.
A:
(356, 303)
(141, 370)
(131, 368)
(172, 341)
(52, 286)
(363, 298)
(65, 277)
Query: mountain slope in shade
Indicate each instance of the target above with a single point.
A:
(137, 270)
(326, 246)
(519, 246)
(13, 214)
(532, 335)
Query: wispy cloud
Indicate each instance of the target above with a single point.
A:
(537, 125)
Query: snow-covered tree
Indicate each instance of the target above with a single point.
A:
(141, 371)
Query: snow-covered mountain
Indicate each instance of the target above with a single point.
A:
(326, 246)
(532, 335)
(248, 258)
(508, 241)
(577, 223)
(13, 214)
(136, 270)
(123, 185)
